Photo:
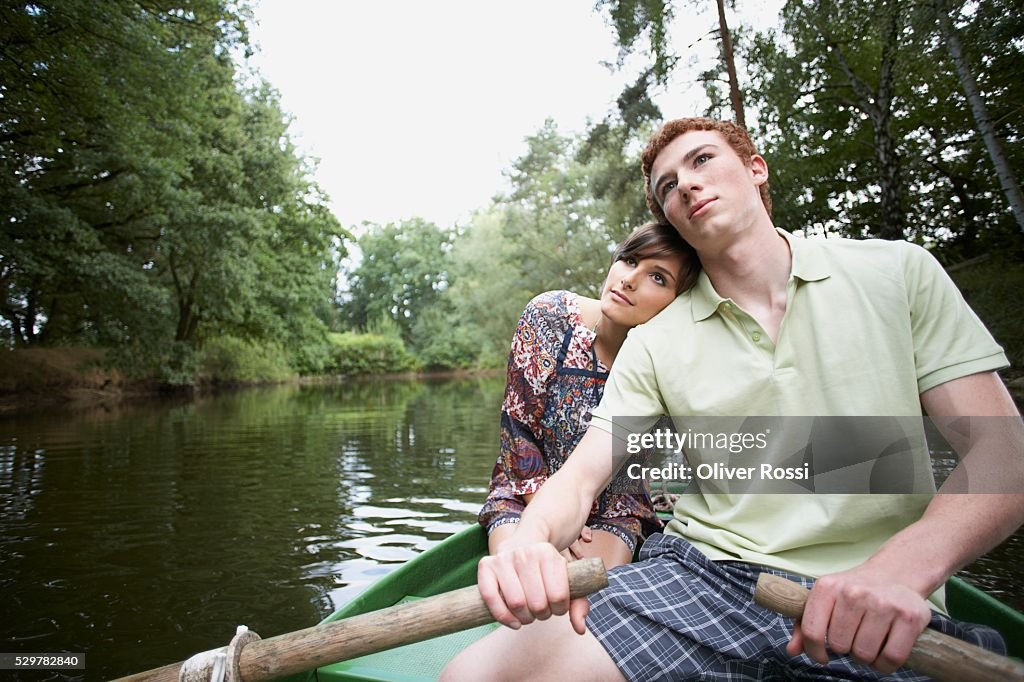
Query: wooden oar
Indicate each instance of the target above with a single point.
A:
(936, 655)
(414, 621)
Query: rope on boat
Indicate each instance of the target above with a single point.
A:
(218, 665)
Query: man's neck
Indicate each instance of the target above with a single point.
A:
(753, 271)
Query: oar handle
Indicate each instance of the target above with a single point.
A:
(414, 621)
(936, 655)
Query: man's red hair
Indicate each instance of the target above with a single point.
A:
(736, 136)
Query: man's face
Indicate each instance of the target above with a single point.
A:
(705, 189)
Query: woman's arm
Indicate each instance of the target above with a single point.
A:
(521, 465)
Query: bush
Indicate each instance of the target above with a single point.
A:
(44, 370)
(310, 357)
(228, 359)
(442, 341)
(171, 363)
(353, 353)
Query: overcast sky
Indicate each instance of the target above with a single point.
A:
(415, 108)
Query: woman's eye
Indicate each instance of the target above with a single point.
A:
(659, 278)
(629, 260)
(701, 159)
(667, 187)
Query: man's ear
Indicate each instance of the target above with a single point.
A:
(759, 169)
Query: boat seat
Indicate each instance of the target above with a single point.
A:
(410, 663)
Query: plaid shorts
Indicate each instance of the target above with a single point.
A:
(677, 615)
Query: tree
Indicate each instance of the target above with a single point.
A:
(92, 93)
(867, 130)
(560, 236)
(487, 292)
(1007, 178)
(152, 202)
(402, 273)
(250, 250)
(735, 97)
(633, 19)
(833, 94)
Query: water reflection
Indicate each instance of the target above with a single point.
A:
(145, 534)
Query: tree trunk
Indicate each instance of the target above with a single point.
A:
(892, 226)
(890, 179)
(31, 317)
(730, 66)
(185, 315)
(1007, 179)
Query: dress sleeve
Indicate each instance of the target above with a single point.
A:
(520, 468)
(531, 363)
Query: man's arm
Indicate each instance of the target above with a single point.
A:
(527, 578)
(876, 611)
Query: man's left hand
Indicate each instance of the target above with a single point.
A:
(861, 613)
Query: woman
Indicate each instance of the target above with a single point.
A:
(563, 348)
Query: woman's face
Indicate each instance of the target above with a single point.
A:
(638, 288)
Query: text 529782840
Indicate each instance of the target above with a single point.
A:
(50, 661)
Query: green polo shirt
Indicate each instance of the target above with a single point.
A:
(869, 326)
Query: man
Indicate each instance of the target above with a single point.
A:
(775, 326)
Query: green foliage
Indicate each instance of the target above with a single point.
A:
(556, 229)
(354, 353)
(150, 201)
(227, 359)
(170, 363)
(487, 293)
(152, 204)
(635, 19)
(89, 109)
(611, 156)
(402, 273)
(383, 325)
(444, 343)
(866, 128)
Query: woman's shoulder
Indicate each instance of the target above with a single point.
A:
(555, 308)
(552, 302)
(547, 317)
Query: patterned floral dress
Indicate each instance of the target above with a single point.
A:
(554, 381)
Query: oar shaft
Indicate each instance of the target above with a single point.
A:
(368, 633)
(936, 655)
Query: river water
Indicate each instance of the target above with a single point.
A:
(143, 534)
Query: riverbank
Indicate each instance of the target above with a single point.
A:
(77, 378)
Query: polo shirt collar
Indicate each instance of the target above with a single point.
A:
(808, 264)
(705, 299)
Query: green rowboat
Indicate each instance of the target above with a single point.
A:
(452, 564)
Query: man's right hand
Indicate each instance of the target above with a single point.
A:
(529, 582)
